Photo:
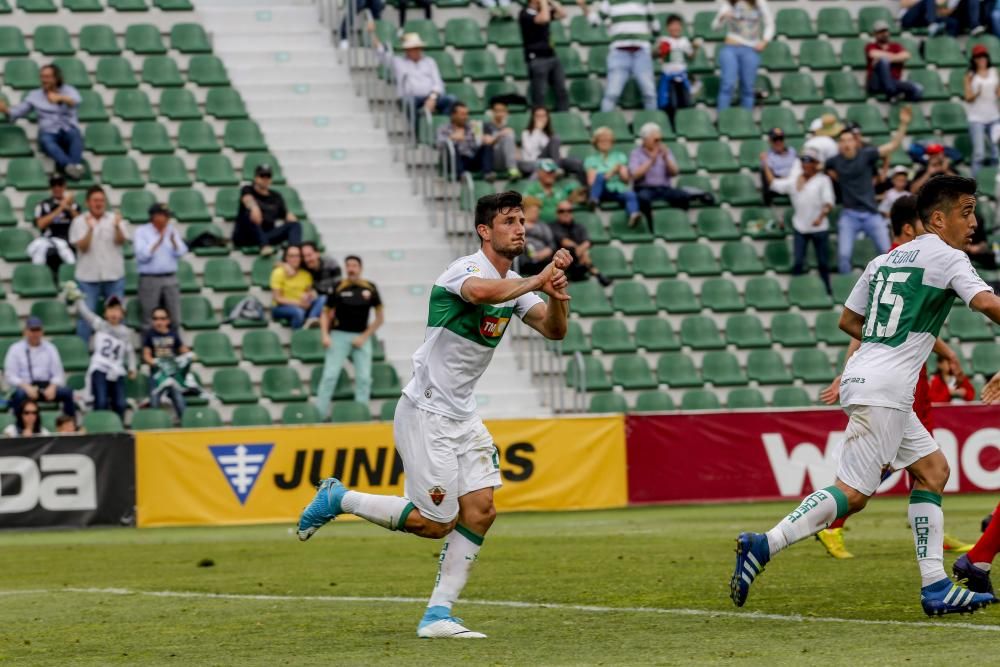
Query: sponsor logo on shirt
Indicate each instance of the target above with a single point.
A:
(493, 327)
(471, 268)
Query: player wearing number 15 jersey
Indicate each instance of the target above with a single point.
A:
(896, 310)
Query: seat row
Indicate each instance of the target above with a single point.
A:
(100, 40)
(342, 412)
(116, 72)
(50, 6)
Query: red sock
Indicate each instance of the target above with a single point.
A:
(839, 523)
(989, 544)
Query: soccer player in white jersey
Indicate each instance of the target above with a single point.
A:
(896, 309)
(451, 463)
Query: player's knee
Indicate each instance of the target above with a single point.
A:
(435, 530)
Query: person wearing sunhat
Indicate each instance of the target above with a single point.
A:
(34, 370)
(549, 190)
(776, 162)
(981, 87)
(885, 67)
(822, 136)
(260, 211)
(158, 249)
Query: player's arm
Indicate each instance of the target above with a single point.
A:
(851, 323)
(987, 303)
(550, 319)
(483, 290)
(831, 394)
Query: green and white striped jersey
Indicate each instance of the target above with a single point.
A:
(632, 22)
(905, 296)
(460, 339)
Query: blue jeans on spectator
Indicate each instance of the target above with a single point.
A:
(64, 146)
(108, 394)
(737, 64)
(338, 352)
(176, 398)
(882, 81)
(981, 135)
(674, 92)
(600, 192)
(316, 309)
(64, 395)
(966, 16)
(481, 162)
(821, 244)
(94, 294)
(296, 315)
(373, 6)
(442, 106)
(246, 234)
(853, 221)
(624, 65)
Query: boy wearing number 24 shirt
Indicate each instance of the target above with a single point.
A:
(112, 356)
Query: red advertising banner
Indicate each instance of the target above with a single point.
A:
(759, 455)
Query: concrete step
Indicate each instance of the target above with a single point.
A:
(324, 136)
(311, 74)
(263, 20)
(293, 90)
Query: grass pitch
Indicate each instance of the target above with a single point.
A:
(637, 586)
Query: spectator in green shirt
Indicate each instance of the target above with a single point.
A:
(608, 175)
(549, 191)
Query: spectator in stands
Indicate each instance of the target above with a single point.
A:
(545, 71)
(899, 179)
(749, 26)
(33, 369)
(347, 328)
(374, 8)
(27, 422)
(854, 168)
(950, 382)
(471, 153)
(539, 241)
(161, 346)
(811, 193)
(293, 297)
(573, 236)
(631, 26)
(55, 106)
(158, 248)
(549, 191)
(979, 249)
(652, 168)
(539, 142)
(822, 138)
(885, 67)
(502, 138)
(260, 211)
(66, 425)
(419, 85)
(951, 16)
(938, 163)
(401, 5)
(52, 218)
(98, 236)
(325, 272)
(499, 9)
(776, 162)
(981, 89)
(608, 175)
(676, 50)
(113, 355)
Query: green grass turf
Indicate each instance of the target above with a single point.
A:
(667, 557)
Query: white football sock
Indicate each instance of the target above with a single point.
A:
(386, 511)
(816, 512)
(984, 566)
(927, 522)
(459, 551)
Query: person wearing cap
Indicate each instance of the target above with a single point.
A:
(260, 211)
(854, 167)
(53, 216)
(981, 87)
(899, 181)
(811, 194)
(34, 370)
(938, 163)
(158, 248)
(549, 190)
(539, 241)
(545, 71)
(652, 168)
(776, 161)
(951, 16)
(112, 354)
(98, 236)
(748, 26)
(472, 152)
(885, 67)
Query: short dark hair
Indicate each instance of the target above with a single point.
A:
(93, 190)
(355, 258)
(284, 255)
(159, 309)
(63, 419)
(56, 179)
(56, 72)
(846, 130)
(309, 244)
(487, 207)
(458, 105)
(904, 212)
(941, 192)
(674, 18)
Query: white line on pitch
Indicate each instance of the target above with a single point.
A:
(513, 604)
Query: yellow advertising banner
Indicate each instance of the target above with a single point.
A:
(268, 474)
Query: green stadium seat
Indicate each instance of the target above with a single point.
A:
(746, 331)
(700, 64)
(777, 57)
(428, 32)
(746, 398)
(835, 22)
(676, 369)
(651, 261)
(31, 281)
(260, 272)
(575, 340)
(151, 419)
(189, 38)
(739, 190)
(930, 81)
(673, 225)
(581, 32)
(722, 369)
(799, 88)
(570, 60)
(610, 261)
(14, 142)
(197, 136)
(701, 333)
(121, 172)
(104, 139)
(631, 371)
(767, 367)
(740, 258)
(621, 231)
(99, 40)
(715, 223)
(227, 307)
(864, 252)
(50, 40)
(12, 42)
(967, 325)
(7, 217)
(591, 377)
(695, 124)
(991, 42)
(683, 159)
(232, 385)
(818, 55)
(149, 137)
(215, 170)
(227, 201)
(716, 157)
(585, 94)
(74, 72)
(179, 104)
(128, 5)
(631, 298)
(607, 402)
(842, 285)
(207, 70)
(83, 5)
(199, 229)
(696, 259)
(503, 33)
(986, 359)
(144, 39)
(828, 329)
(197, 313)
(570, 127)
(251, 415)
(700, 399)
(653, 401)
(54, 316)
(214, 349)
(794, 23)
(868, 117)
(944, 51)
(949, 117)
(676, 296)
(597, 60)
(812, 366)
(790, 397)
(843, 87)
(223, 274)
(808, 293)
(133, 105)
(783, 117)
(26, 173)
(14, 242)
(764, 293)
(161, 72)
(791, 330)
(189, 206)
(282, 384)
(263, 348)
(644, 116)
(225, 104)
(307, 347)
(251, 160)
(481, 66)
(135, 206)
(588, 299)
(343, 412)
(778, 256)
(852, 53)
(168, 171)
(514, 65)
(21, 74)
(201, 417)
(720, 295)
(115, 72)
(102, 421)
(703, 28)
(463, 33)
(388, 410)
(653, 334)
(446, 66)
(174, 5)
(738, 123)
(73, 352)
(867, 16)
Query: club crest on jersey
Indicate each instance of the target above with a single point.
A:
(437, 494)
(493, 327)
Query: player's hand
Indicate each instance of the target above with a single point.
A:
(559, 280)
(562, 259)
(549, 276)
(991, 391)
(831, 394)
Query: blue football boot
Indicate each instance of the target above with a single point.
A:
(976, 579)
(946, 597)
(752, 554)
(324, 508)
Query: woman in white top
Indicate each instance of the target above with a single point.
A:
(981, 92)
(539, 142)
(26, 423)
(749, 26)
